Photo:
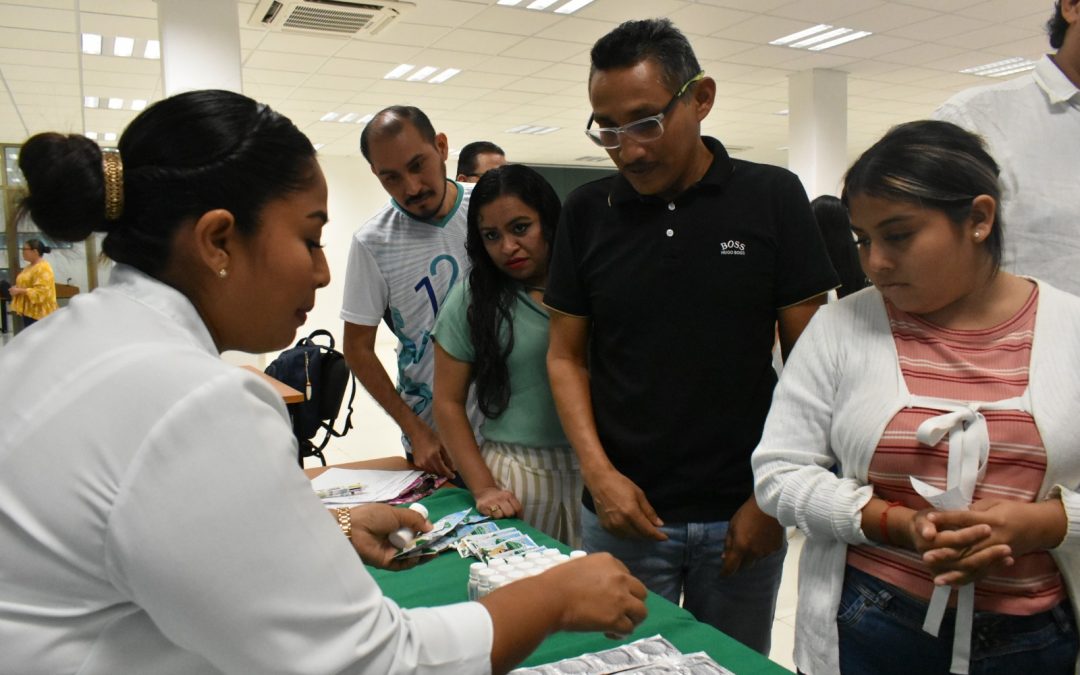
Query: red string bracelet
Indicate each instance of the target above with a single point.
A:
(884, 524)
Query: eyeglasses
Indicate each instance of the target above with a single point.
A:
(643, 130)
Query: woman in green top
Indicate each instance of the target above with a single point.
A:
(493, 332)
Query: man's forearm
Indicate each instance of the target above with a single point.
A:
(374, 378)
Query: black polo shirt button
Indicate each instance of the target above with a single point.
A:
(671, 233)
(671, 206)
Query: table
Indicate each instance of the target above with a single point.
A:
(288, 394)
(443, 581)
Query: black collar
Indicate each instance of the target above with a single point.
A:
(717, 175)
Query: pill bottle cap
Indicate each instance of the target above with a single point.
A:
(402, 538)
(419, 508)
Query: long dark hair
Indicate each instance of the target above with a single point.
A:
(183, 156)
(935, 164)
(489, 314)
(835, 225)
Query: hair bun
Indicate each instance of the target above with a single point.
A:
(66, 185)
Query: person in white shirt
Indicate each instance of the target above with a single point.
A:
(403, 262)
(152, 516)
(1032, 127)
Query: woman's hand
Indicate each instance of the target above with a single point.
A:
(17, 291)
(1012, 529)
(497, 503)
(373, 523)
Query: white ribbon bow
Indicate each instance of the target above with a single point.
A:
(969, 448)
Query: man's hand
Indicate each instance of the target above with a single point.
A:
(373, 523)
(622, 507)
(429, 453)
(752, 534)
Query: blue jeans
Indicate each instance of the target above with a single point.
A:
(688, 564)
(881, 632)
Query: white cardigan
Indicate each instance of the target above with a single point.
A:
(839, 390)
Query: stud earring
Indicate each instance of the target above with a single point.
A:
(223, 273)
(978, 234)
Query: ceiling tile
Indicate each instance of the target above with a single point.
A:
(544, 50)
(483, 42)
(574, 29)
(513, 20)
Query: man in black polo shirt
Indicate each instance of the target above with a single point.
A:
(669, 282)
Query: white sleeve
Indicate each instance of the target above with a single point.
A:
(366, 295)
(793, 480)
(217, 535)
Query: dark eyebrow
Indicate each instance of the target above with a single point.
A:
(894, 220)
(635, 115)
(412, 159)
(320, 216)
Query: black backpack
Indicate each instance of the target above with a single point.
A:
(322, 374)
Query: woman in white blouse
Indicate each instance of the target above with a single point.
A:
(924, 435)
(152, 516)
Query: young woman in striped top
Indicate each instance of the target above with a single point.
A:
(925, 432)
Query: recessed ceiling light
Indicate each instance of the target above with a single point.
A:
(540, 4)
(138, 104)
(91, 43)
(349, 117)
(123, 46)
(1001, 68)
(329, 117)
(318, 146)
(92, 135)
(398, 71)
(820, 37)
(517, 129)
(116, 103)
(783, 113)
(91, 101)
(572, 6)
(423, 73)
(110, 136)
(153, 50)
(546, 130)
(444, 75)
(508, 3)
(366, 118)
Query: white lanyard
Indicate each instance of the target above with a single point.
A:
(969, 448)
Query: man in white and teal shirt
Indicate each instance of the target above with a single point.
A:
(402, 264)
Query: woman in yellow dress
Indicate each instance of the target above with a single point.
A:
(34, 294)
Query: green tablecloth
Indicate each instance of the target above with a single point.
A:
(444, 581)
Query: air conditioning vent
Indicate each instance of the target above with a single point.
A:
(342, 18)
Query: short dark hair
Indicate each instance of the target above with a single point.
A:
(632, 42)
(183, 156)
(1056, 27)
(466, 163)
(37, 245)
(391, 121)
(935, 164)
(489, 316)
(835, 225)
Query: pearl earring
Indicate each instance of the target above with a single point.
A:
(223, 273)
(977, 235)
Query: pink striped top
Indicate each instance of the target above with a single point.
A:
(977, 365)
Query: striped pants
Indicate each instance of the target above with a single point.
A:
(547, 482)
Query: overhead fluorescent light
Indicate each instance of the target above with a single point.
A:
(444, 75)
(116, 104)
(92, 135)
(153, 49)
(540, 4)
(423, 73)
(508, 3)
(813, 30)
(91, 101)
(783, 113)
(110, 136)
(1001, 68)
(123, 46)
(318, 146)
(329, 117)
(517, 129)
(138, 104)
(398, 71)
(366, 118)
(534, 129)
(850, 37)
(349, 117)
(91, 43)
(547, 130)
(819, 37)
(572, 6)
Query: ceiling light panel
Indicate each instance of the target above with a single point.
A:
(123, 46)
(820, 37)
(91, 43)
(556, 6)
(1001, 68)
(398, 71)
(423, 73)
